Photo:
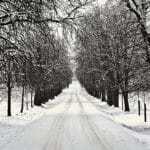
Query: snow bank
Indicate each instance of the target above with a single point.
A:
(130, 120)
(11, 126)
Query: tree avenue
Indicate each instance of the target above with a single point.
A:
(33, 54)
(112, 46)
(112, 53)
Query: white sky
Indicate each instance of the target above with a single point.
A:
(101, 1)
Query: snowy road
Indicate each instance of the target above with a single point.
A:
(74, 124)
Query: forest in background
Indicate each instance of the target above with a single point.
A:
(112, 46)
(34, 47)
(113, 50)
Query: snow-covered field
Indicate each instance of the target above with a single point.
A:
(74, 120)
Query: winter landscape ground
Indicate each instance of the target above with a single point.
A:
(73, 120)
(75, 75)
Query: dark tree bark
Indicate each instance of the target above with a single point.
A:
(134, 8)
(31, 98)
(113, 90)
(126, 102)
(22, 100)
(9, 89)
(38, 97)
(125, 90)
(109, 97)
(116, 97)
(9, 96)
(100, 93)
(103, 95)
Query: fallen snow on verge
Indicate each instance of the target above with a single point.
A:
(131, 120)
(74, 124)
(128, 119)
(77, 121)
(10, 127)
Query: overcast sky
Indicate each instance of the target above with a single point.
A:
(101, 1)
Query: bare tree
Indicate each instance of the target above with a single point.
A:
(141, 9)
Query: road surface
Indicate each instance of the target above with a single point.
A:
(74, 124)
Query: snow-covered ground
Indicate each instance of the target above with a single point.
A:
(129, 119)
(10, 127)
(74, 120)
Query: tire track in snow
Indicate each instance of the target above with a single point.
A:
(91, 128)
(55, 129)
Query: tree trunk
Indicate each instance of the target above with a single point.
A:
(126, 102)
(9, 89)
(22, 101)
(99, 95)
(31, 98)
(27, 105)
(125, 91)
(42, 96)
(142, 22)
(109, 98)
(113, 90)
(9, 98)
(103, 95)
(116, 97)
(37, 98)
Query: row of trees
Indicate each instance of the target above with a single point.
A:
(113, 52)
(39, 63)
(32, 55)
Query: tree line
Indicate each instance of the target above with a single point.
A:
(32, 54)
(113, 50)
